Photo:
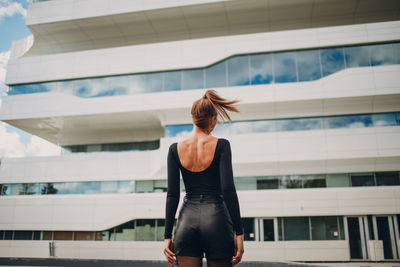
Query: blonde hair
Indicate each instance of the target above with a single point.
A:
(210, 105)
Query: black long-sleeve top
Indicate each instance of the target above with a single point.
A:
(216, 179)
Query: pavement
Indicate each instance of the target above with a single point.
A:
(44, 262)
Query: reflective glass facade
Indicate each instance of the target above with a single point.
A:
(242, 183)
(311, 228)
(131, 146)
(251, 69)
(297, 124)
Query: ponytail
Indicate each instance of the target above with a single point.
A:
(210, 105)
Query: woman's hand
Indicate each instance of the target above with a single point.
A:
(168, 252)
(239, 250)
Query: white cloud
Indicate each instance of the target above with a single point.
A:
(41, 147)
(4, 57)
(10, 143)
(8, 9)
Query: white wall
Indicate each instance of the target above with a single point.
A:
(337, 250)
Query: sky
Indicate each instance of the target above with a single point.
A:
(13, 141)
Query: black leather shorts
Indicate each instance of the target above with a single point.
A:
(204, 226)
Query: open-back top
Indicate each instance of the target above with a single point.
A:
(217, 179)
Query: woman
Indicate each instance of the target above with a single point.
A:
(209, 219)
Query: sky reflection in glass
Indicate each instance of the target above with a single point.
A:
(216, 75)
(297, 124)
(309, 67)
(332, 60)
(261, 69)
(285, 67)
(266, 68)
(238, 71)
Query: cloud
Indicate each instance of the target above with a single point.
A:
(4, 57)
(8, 9)
(10, 143)
(41, 147)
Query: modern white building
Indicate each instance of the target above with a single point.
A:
(316, 147)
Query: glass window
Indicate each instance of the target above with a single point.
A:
(22, 235)
(357, 56)
(370, 227)
(124, 232)
(83, 235)
(216, 75)
(264, 126)
(43, 188)
(396, 48)
(8, 235)
(117, 85)
(285, 67)
(63, 235)
(98, 236)
(246, 183)
(178, 130)
(382, 54)
(144, 186)
(145, 230)
(349, 121)
(238, 71)
(154, 82)
(37, 235)
(125, 187)
(291, 181)
(280, 228)
(308, 63)
(269, 182)
(332, 60)
(91, 87)
(108, 235)
(108, 187)
(193, 79)
(136, 84)
(269, 234)
(31, 189)
(6, 190)
(16, 189)
(160, 229)
(240, 127)
(337, 180)
(362, 179)
(261, 69)
(298, 124)
(1, 235)
(249, 229)
(296, 228)
(387, 178)
(66, 188)
(89, 187)
(324, 228)
(341, 227)
(172, 80)
(160, 185)
(312, 181)
(47, 235)
(385, 119)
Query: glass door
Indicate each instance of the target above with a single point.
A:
(356, 238)
(384, 227)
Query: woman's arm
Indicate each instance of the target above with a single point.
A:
(173, 192)
(228, 187)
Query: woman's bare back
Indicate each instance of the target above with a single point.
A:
(197, 153)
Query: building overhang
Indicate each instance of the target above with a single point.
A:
(69, 25)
